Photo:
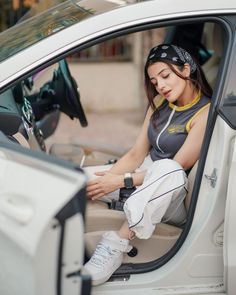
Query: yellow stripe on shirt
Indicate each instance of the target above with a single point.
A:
(194, 116)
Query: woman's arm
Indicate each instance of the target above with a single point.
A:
(135, 156)
(114, 179)
(190, 151)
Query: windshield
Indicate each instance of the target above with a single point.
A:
(35, 28)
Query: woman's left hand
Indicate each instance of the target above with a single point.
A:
(106, 183)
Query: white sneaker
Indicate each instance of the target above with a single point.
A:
(107, 257)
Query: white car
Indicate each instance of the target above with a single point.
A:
(43, 236)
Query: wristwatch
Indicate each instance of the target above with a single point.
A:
(128, 180)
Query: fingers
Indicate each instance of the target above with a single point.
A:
(94, 191)
(101, 173)
(98, 196)
(92, 182)
(94, 194)
(92, 188)
(97, 187)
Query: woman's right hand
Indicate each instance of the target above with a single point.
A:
(105, 183)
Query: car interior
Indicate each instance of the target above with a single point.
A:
(41, 108)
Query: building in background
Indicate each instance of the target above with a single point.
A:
(12, 10)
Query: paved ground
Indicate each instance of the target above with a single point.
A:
(114, 131)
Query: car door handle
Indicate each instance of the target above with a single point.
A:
(212, 178)
(16, 208)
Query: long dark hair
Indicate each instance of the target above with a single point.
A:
(197, 78)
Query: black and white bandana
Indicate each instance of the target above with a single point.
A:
(172, 53)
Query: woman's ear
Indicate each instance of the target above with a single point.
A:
(186, 71)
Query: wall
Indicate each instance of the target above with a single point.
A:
(108, 86)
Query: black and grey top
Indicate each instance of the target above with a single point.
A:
(172, 127)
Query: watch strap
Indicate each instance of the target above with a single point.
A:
(128, 180)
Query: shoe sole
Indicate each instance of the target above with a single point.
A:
(103, 280)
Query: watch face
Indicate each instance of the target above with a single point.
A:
(128, 182)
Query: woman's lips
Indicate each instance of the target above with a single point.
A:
(167, 93)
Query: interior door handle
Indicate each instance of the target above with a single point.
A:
(16, 208)
(212, 178)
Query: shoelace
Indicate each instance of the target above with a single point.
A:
(102, 255)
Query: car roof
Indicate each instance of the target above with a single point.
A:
(96, 17)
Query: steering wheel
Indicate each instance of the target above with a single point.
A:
(70, 103)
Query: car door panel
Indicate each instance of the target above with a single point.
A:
(230, 221)
(41, 228)
(228, 111)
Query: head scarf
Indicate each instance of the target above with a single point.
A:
(172, 53)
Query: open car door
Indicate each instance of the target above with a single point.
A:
(230, 236)
(228, 112)
(42, 203)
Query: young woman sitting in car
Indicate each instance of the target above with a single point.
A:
(166, 149)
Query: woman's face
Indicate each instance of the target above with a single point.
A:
(167, 83)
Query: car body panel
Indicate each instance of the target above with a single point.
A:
(229, 234)
(229, 228)
(30, 235)
(92, 27)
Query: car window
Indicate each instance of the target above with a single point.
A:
(228, 104)
(117, 93)
(110, 78)
(36, 26)
(35, 29)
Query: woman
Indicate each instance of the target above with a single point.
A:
(166, 149)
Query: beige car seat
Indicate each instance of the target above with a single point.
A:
(100, 219)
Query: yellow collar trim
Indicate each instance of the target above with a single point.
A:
(187, 106)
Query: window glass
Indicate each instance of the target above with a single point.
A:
(35, 29)
(228, 105)
(111, 83)
(51, 21)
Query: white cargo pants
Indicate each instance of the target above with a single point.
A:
(159, 198)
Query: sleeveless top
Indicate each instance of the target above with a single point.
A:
(172, 126)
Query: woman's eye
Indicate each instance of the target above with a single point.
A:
(166, 76)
